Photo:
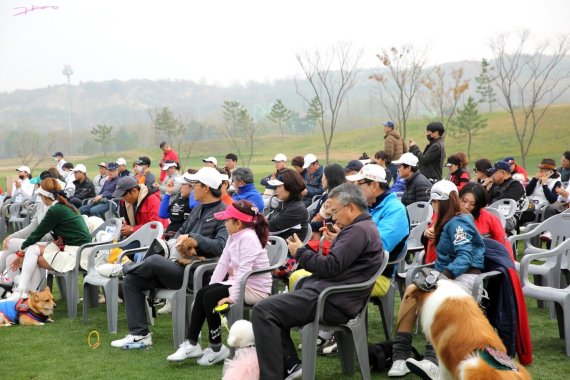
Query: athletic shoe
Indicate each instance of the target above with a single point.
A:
(109, 270)
(17, 294)
(331, 349)
(212, 357)
(321, 343)
(145, 339)
(399, 368)
(425, 369)
(185, 351)
(294, 372)
(166, 309)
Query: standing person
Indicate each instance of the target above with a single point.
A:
(58, 157)
(280, 162)
(84, 188)
(168, 154)
(313, 178)
(457, 173)
(22, 188)
(69, 231)
(481, 170)
(100, 204)
(431, 159)
(460, 250)
(245, 188)
(355, 256)
(123, 171)
(100, 178)
(417, 185)
(394, 146)
(565, 166)
(244, 251)
(144, 176)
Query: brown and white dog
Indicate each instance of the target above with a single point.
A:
(461, 335)
(35, 310)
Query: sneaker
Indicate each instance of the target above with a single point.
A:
(331, 349)
(423, 368)
(321, 343)
(185, 351)
(17, 294)
(399, 368)
(212, 357)
(295, 372)
(145, 339)
(546, 236)
(166, 309)
(109, 270)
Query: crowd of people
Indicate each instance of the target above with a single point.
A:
(351, 214)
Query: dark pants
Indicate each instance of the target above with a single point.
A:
(393, 168)
(206, 300)
(272, 320)
(76, 202)
(155, 270)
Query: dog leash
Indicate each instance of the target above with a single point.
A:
(97, 341)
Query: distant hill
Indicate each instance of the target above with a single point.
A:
(123, 103)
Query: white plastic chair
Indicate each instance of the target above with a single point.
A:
(419, 212)
(144, 236)
(507, 207)
(498, 214)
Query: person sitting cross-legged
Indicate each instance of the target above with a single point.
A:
(100, 204)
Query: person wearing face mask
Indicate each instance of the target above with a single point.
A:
(432, 158)
(69, 177)
(22, 189)
(58, 157)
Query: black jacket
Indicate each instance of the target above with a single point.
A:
(431, 160)
(510, 189)
(85, 189)
(417, 189)
(286, 218)
(354, 257)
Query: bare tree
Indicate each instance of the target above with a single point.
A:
(401, 83)
(443, 99)
(31, 148)
(528, 81)
(331, 75)
(240, 129)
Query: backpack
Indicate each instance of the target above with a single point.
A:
(380, 355)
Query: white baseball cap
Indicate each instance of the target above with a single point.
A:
(208, 176)
(121, 161)
(372, 172)
(213, 160)
(102, 164)
(79, 168)
(440, 190)
(24, 168)
(274, 182)
(185, 178)
(167, 165)
(407, 159)
(279, 157)
(309, 159)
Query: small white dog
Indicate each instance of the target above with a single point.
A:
(244, 365)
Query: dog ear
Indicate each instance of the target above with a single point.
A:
(47, 289)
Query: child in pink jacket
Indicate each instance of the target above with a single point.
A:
(244, 252)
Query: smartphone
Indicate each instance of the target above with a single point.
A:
(330, 227)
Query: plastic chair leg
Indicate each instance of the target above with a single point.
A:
(360, 338)
(112, 301)
(346, 351)
(309, 334)
(178, 320)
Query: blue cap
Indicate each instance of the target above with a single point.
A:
(500, 165)
(388, 124)
(112, 166)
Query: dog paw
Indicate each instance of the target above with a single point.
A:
(50, 320)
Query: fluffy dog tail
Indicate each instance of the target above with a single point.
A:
(475, 368)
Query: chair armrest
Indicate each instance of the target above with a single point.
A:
(128, 252)
(87, 245)
(526, 260)
(411, 273)
(478, 283)
(201, 268)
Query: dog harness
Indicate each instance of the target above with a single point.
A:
(12, 310)
(497, 359)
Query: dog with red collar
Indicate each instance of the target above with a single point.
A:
(32, 311)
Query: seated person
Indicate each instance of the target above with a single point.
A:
(457, 173)
(144, 175)
(178, 208)
(501, 185)
(417, 185)
(352, 167)
(22, 188)
(245, 188)
(313, 178)
(100, 204)
(100, 178)
(355, 256)
(84, 188)
(244, 252)
(211, 236)
(565, 167)
(481, 169)
(460, 250)
(280, 162)
(381, 159)
(541, 190)
(171, 169)
(518, 172)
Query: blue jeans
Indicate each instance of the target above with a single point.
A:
(97, 209)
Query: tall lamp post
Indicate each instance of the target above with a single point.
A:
(68, 72)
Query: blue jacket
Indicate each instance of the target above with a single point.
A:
(314, 184)
(249, 192)
(460, 246)
(399, 185)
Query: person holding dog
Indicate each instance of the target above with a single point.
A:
(460, 249)
(69, 231)
(355, 256)
(244, 251)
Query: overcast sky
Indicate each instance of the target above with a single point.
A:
(233, 41)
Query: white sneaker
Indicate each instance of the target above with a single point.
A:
(109, 270)
(399, 368)
(166, 309)
(17, 294)
(425, 369)
(185, 351)
(145, 339)
(212, 357)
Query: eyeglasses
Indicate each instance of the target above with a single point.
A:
(361, 183)
(333, 212)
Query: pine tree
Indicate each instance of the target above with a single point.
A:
(315, 112)
(279, 114)
(485, 85)
(468, 123)
(103, 136)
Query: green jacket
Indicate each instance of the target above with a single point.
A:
(61, 221)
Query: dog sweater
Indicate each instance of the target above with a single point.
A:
(13, 309)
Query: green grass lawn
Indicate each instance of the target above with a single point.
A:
(59, 350)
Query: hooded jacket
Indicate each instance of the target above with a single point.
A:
(394, 145)
(145, 210)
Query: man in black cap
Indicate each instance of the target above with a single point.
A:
(432, 159)
(143, 173)
(501, 185)
(352, 167)
(58, 157)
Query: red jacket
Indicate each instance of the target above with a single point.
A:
(147, 211)
(460, 178)
(169, 155)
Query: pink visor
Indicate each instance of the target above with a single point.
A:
(232, 212)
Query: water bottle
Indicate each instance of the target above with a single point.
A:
(134, 346)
